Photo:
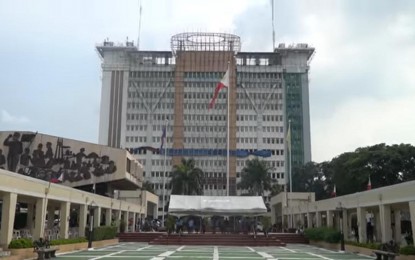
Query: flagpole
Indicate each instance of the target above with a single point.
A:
(227, 137)
(290, 170)
(164, 175)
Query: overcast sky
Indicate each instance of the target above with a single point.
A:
(362, 78)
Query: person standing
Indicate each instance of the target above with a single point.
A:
(2, 159)
(15, 150)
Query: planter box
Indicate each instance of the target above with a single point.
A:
(355, 249)
(25, 253)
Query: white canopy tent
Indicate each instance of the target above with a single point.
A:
(181, 205)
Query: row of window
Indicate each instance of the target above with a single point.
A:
(135, 94)
(151, 74)
(242, 163)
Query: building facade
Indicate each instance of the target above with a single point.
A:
(145, 91)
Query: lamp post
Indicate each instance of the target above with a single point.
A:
(340, 209)
(92, 208)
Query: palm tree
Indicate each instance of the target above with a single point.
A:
(255, 177)
(187, 179)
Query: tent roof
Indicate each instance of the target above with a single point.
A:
(216, 205)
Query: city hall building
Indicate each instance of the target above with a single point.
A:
(144, 91)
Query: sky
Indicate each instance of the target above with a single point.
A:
(362, 76)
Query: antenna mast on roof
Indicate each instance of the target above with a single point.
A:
(139, 24)
(273, 27)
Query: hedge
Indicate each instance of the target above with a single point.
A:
(365, 245)
(407, 250)
(21, 243)
(329, 235)
(28, 243)
(102, 233)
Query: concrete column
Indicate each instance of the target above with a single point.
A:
(134, 221)
(125, 219)
(318, 219)
(83, 211)
(118, 218)
(8, 211)
(64, 212)
(41, 205)
(108, 216)
(302, 219)
(329, 218)
(346, 226)
(412, 214)
(385, 222)
(51, 217)
(377, 232)
(397, 231)
(361, 222)
(309, 220)
(97, 217)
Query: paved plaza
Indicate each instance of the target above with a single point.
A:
(157, 252)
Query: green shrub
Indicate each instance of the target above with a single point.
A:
(21, 243)
(407, 250)
(326, 234)
(68, 241)
(102, 233)
(365, 245)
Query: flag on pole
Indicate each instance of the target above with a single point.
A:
(163, 138)
(333, 194)
(369, 184)
(60, 179)
(224, 83)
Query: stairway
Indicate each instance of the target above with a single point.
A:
(161, 238)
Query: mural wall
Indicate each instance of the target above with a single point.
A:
(56, 159)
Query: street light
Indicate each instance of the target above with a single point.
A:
(339, 210)
(91, 208)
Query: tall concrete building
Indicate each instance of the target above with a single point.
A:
(142, 91)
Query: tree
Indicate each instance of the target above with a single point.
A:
(148, 186)
(187, 179)
(255, 177)
(275, 189)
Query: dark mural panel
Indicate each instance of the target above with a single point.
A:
(52, 161)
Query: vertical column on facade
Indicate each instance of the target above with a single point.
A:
(64, 219)
(309, 220)
(385, 222)
(397, 231)
(329, 218)
(118, 218)
(345, 223)
(318, 219)
(30, 216)
(83, 211)
(7, 217)
(377, 230)
(412, 214)
(41, 205)
(361, 223)
(302, 219)
(134, 221)
(125, 219)
(97, 217)
(108, 217)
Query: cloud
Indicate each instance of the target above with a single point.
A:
(6, 117)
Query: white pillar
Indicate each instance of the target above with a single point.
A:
(64, 213)
(309, 220)
(41, 205)
(125, 219)
(346, 229)
(329, 218)
(83, 211)
(361, 223)
(398, 237)
(302, 219)
(108, 217)
(412, 213)
(8, 211)
(385, 222)
(134, 221)
(377, 232)
(97, 217)
(118, 219)
(318, 219)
